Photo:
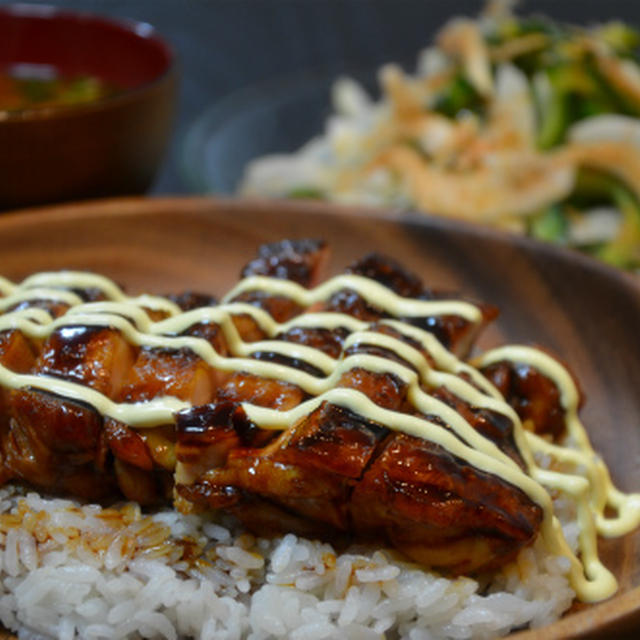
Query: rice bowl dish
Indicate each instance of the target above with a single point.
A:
(128, 572)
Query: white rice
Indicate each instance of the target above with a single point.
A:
(78, 571)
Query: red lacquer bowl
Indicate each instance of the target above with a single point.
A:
(104, 147)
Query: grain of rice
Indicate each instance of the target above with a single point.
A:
(383, 624)
(216, 532)
(122, 611)
(11, 553)
(381, 574)
(157, 623)
(343, 574)
(309, 581)
(282, 554)
(263, 612)
(98, 632)
(242, 558)
(93, 608)
(350, 608)
(67, 629)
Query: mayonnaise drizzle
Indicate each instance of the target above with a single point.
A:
(373, 291)
(6, 286)
(139, 414)
(84, 280)
(55, 295)
(604, 494)
(592, 492)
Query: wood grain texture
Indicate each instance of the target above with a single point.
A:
(587, 313)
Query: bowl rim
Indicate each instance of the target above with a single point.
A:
(216, 114)
(142, 30)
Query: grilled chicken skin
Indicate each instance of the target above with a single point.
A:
(333, 473)
(337, 475)
(65, 446)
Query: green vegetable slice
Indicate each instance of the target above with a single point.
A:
(624, 251)
(306, 193)
(550, 225)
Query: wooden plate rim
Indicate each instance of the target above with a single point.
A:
(599, 620)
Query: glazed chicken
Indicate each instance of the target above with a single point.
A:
(333, 472)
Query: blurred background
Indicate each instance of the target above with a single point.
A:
(225, 45)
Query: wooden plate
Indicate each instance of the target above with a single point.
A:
(584, 311)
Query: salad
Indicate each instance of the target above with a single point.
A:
(521, 123)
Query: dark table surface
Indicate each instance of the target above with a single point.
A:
(223, 45)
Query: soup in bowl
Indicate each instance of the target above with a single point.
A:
(86, 105)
